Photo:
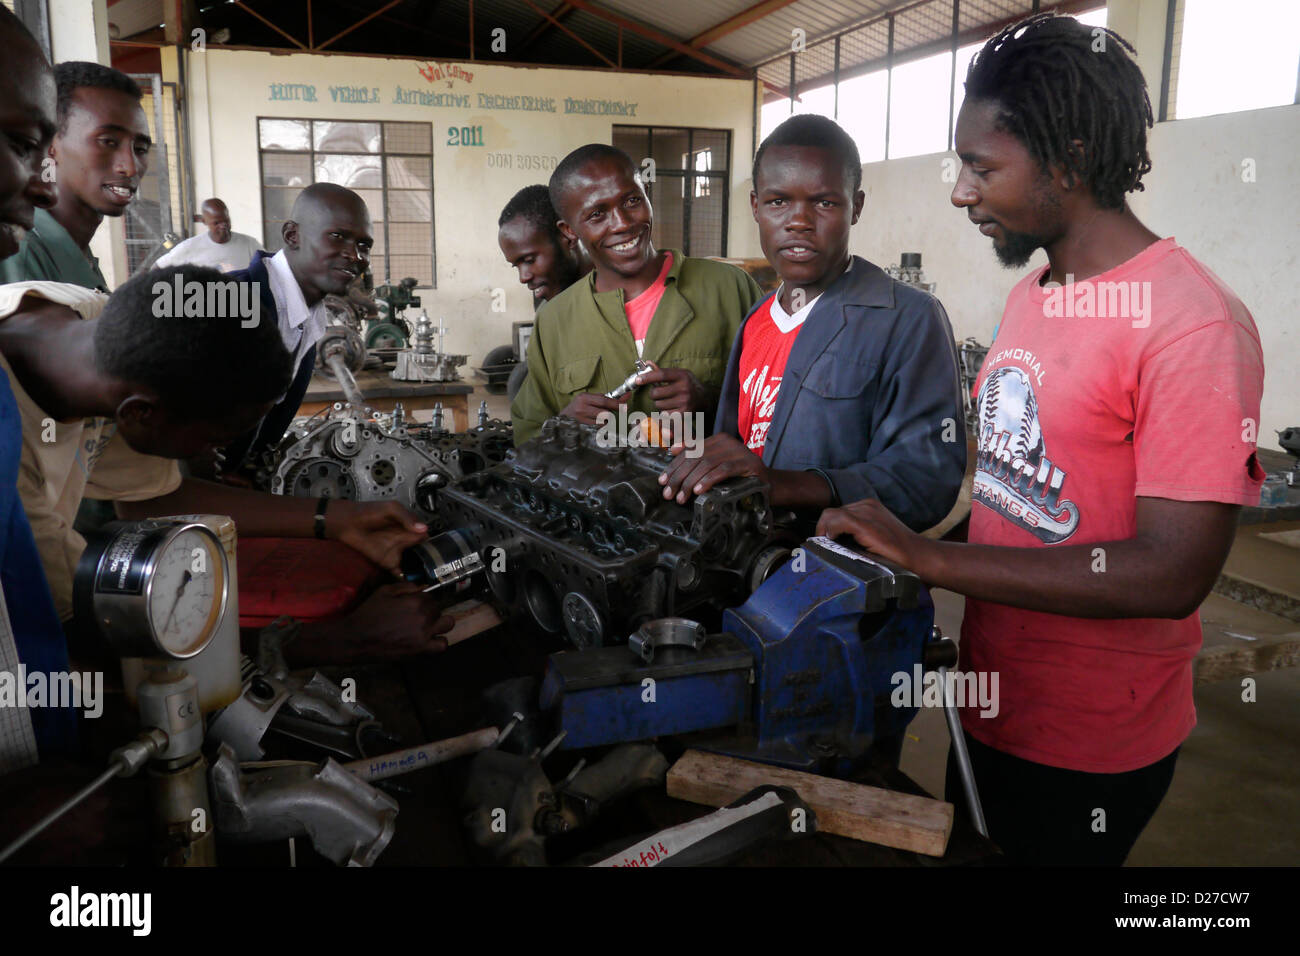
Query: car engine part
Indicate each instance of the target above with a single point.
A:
(352, 451)
(512, 807)
(422, 362)
(347, 820)
(579, 536)
(909, 271)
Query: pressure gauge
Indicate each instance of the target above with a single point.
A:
(154, 588)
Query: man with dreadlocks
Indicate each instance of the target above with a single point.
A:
(1118, 409)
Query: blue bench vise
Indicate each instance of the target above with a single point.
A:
(801, 675)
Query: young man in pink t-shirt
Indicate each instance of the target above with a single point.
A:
(1118, 409)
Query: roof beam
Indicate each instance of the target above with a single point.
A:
(366, 19)
(247, 9)
(663, 39)
(599, 55)
(741, 20)
(558, 15)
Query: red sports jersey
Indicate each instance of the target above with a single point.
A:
(763, 355)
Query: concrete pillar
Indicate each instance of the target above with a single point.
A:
(1142, 23)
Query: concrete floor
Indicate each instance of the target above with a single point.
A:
(1235, 799)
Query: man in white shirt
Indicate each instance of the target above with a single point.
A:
(327, 242)
(218, 248)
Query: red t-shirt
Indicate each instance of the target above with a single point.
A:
(1143, 381)
(641, 310)
(769, 336)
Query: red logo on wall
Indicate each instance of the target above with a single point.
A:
(450, 72)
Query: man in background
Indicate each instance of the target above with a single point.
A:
(219, 248)
(530, 239)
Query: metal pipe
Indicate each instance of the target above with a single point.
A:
(425, 755)
(124, 762)
(963, 756)
(343, 375)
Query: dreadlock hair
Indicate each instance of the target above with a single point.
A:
(533, 205)
(75, 74)
(1056, 80)
(809, 129)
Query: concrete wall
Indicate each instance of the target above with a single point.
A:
(228, 90)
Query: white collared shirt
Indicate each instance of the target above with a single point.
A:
(301, 327)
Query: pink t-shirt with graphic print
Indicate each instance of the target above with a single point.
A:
(1143, 381)
(641, 310)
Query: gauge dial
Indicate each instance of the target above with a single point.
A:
(153, 588)
(186, 590)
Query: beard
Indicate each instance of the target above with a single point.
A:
(1018, 248)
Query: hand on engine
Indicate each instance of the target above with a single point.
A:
(722, 456)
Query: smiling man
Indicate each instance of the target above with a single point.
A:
(1115, 450)
(678, 313)
(100, 152)
(843, 383)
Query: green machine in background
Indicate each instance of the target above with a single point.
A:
(389, 329)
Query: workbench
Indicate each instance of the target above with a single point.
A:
(439, 697)
(382, 392)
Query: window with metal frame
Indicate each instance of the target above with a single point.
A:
(691, 188)
(388, 164)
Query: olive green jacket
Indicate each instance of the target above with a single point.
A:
(582, 342)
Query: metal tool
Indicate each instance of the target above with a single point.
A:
(125, 761)
(383, 766)
(941, 654)
(794, 676)
(629, 383)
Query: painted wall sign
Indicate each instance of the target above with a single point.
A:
(433, 72)
(535, 104)
(354, 94)
(304, 92)
(601, 107)
(408, 96)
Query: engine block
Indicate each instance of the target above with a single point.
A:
(578, 535)
(356, 453)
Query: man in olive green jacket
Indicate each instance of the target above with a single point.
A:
(680, 314)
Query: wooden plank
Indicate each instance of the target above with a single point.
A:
(892, 819)
(472, 617)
